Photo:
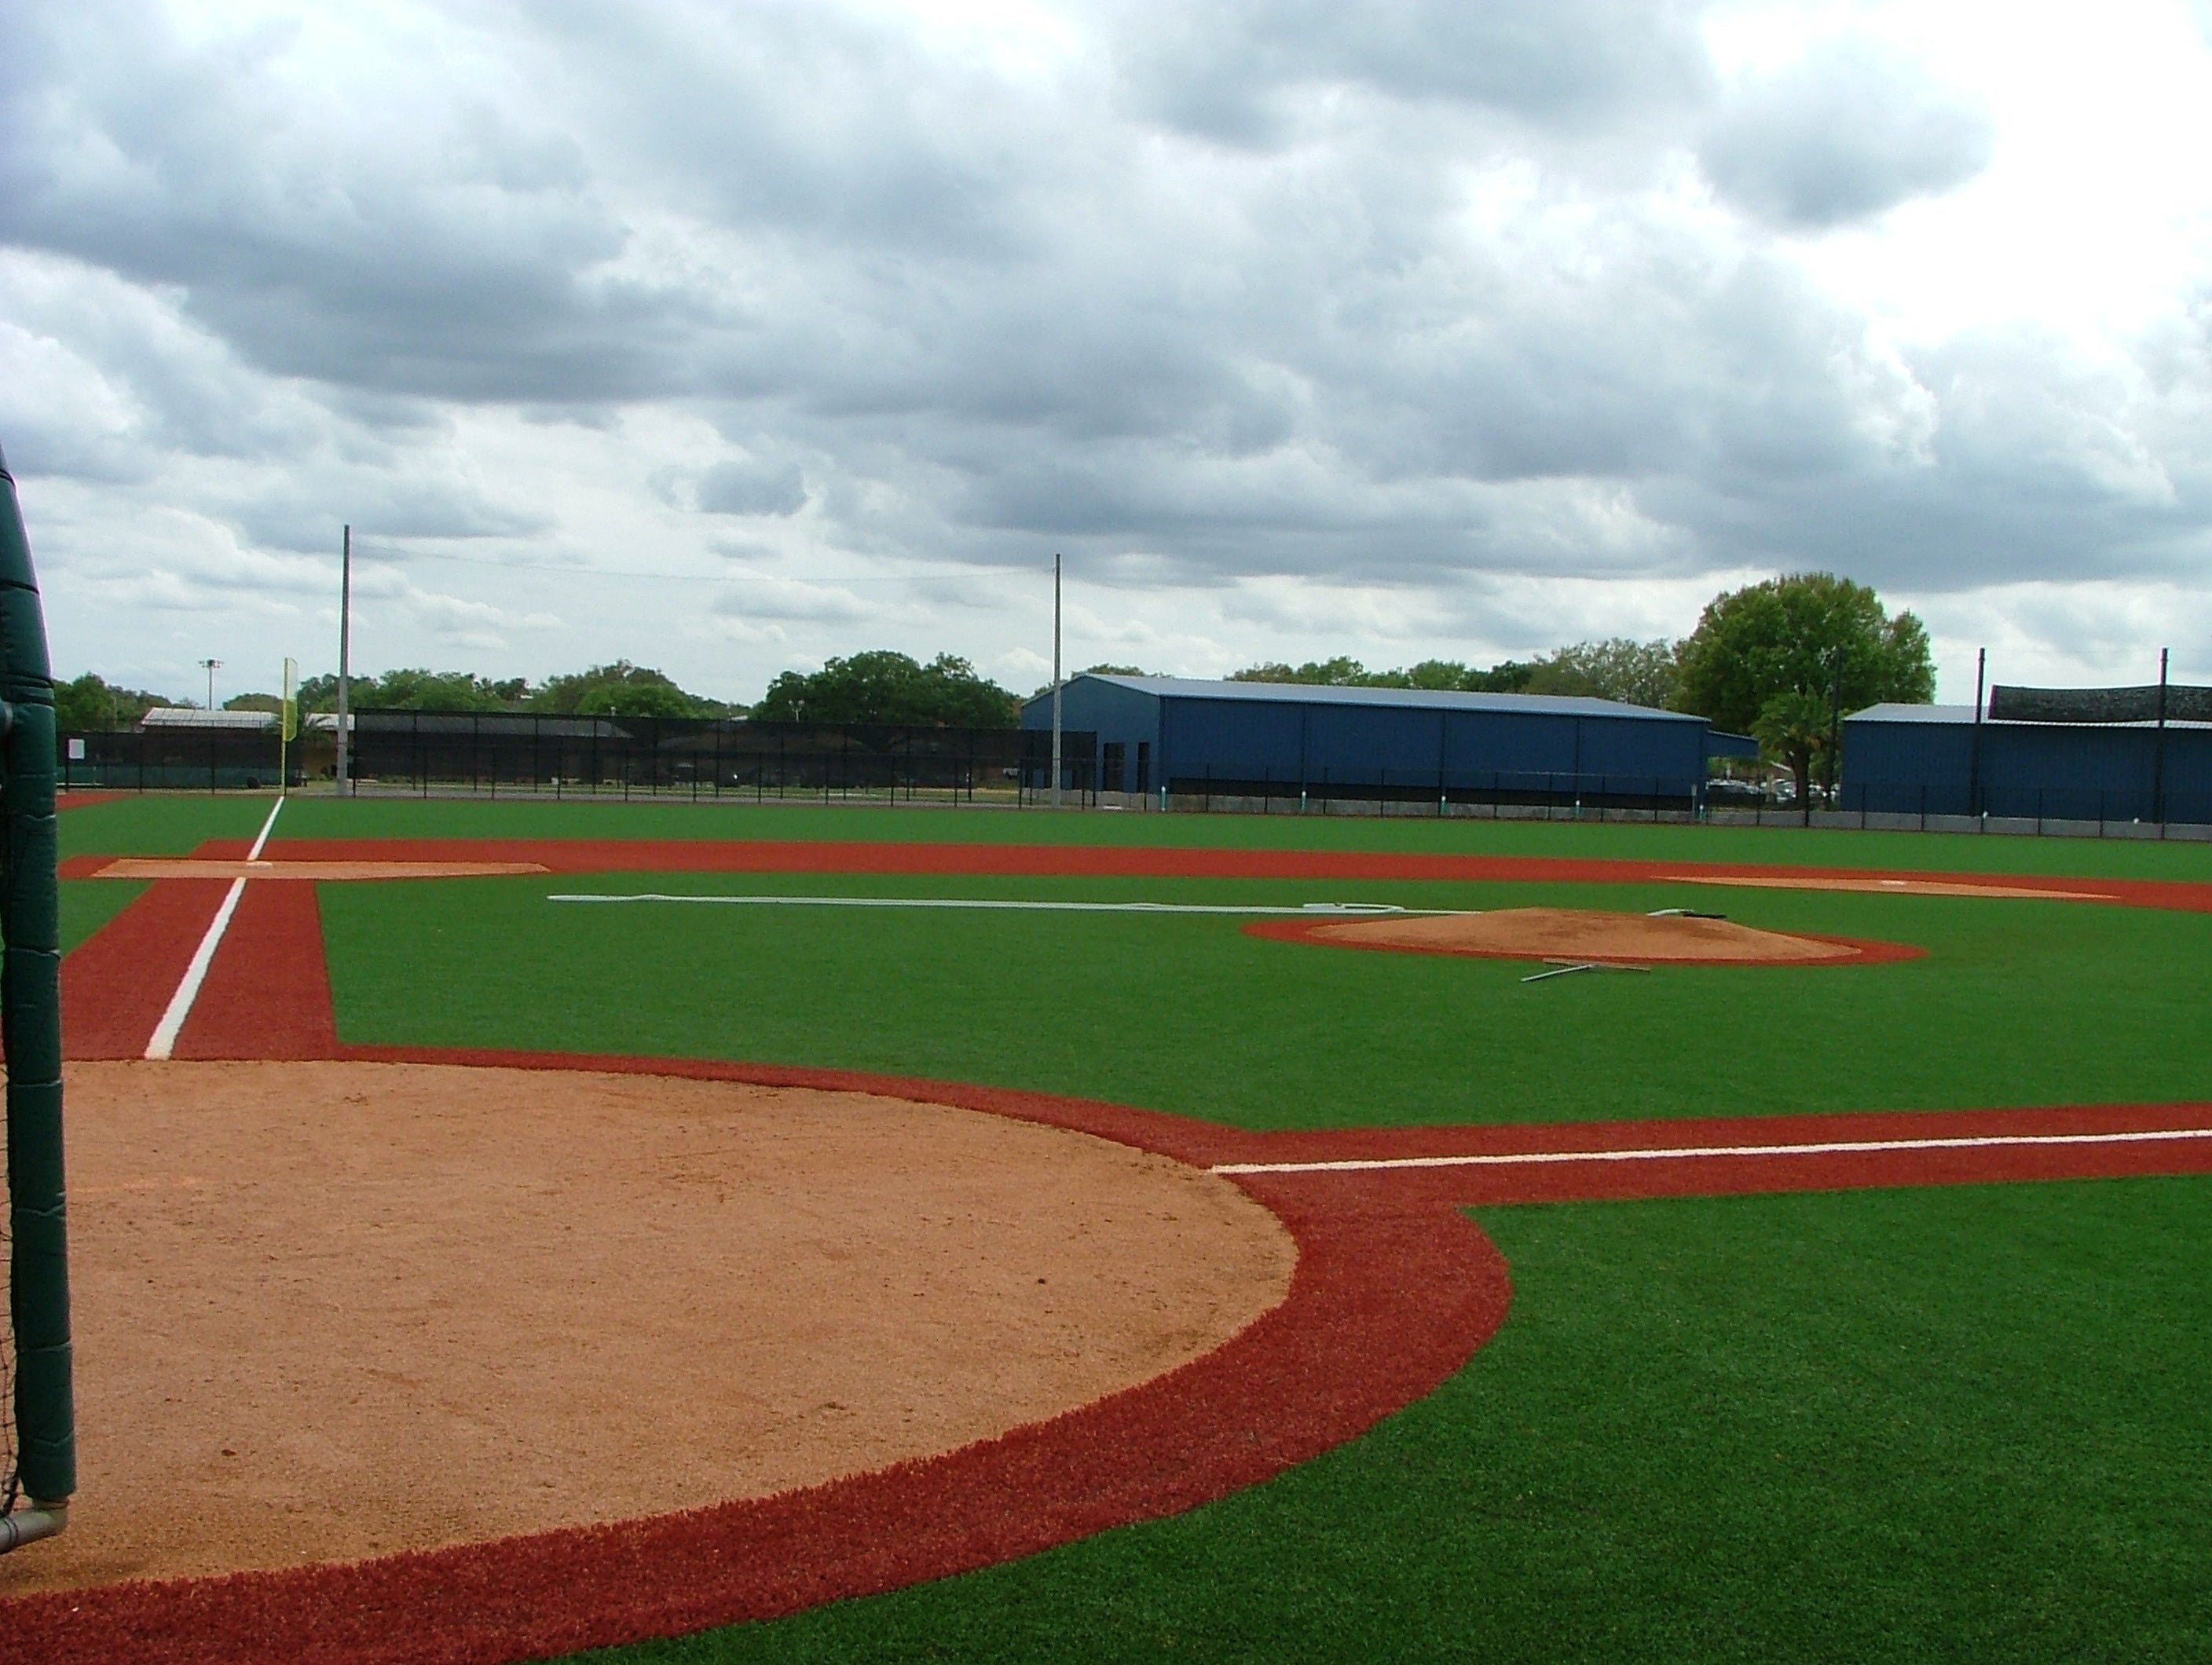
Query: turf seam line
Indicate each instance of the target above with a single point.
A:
(180, 1003)
(1840, 1147)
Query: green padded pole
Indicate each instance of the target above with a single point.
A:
(31, 1023)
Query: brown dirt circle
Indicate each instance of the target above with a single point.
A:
(1587, 934)
(332, 1310)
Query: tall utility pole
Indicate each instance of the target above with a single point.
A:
(210, 667)
(2158, 752)
(345, 648)
(1055, 682)
(1974, 765)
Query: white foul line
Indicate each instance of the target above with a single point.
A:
(1311, 909)
(1840, 1147)
(180, 1003)
(267, 827)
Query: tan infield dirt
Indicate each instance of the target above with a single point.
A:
(332, 1310)
(187, 868)
(1899, 887)
(1575, 933)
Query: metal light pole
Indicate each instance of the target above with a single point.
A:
(1055, 682)
(210, 667)
(1974, 764)
(345, 648)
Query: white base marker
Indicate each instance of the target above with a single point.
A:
(1663, 1153)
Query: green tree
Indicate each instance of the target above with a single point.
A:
(1509, 676)
(1634, 672)
(622, 689)
(413, 689)
(87, 704)
(887, 687)
(1108, 670)
(1793, 729)
(1769, 653)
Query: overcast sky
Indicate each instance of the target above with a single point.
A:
(728, 338)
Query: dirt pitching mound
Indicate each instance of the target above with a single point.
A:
(1573, 933)
(326, 1311)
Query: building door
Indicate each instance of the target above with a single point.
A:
(1144, 766)
(1110, 772)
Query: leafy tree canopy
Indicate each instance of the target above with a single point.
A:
(414, 690)
(1108, 670)
(1634, 672)
(1795, 634)
(87, 704)
(887, 687)
(1511, 676)
(621, 689)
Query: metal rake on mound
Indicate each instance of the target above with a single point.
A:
(1561, 968)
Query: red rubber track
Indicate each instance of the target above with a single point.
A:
(1865, 950)
(674, 855)
(1395, 1290)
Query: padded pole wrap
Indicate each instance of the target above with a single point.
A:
(31, 1021)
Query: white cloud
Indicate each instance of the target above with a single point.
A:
(1415, 332)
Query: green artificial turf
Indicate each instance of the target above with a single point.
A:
(164, 823)
(160, 824)
(89, 903)
(1947, 1425)
(2017, 1002)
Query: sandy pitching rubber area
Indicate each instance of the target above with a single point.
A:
(332, 1310)
(1574, 933)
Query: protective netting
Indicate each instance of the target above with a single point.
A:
(2182, 703)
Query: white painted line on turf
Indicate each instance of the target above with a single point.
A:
(1840, 1147)
(180, 1003)
(1322, 910)
(267, 827)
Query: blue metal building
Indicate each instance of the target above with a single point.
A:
(1936, 760)
(1276, 740)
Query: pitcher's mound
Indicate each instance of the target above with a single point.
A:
(1580, 934)
(332, 1310)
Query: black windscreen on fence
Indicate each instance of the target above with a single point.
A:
(489, 752)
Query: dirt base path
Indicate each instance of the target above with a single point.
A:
(329, 1310)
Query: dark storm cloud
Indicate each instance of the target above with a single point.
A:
(1848, 132)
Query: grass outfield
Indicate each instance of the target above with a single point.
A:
(170, 824)
(1946, 1424)
(2016, 1003)
(1938, 1424)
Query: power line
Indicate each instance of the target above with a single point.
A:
(397, 559)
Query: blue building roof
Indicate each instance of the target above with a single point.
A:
(1426, 699)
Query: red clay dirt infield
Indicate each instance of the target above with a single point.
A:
(1394, 1288)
